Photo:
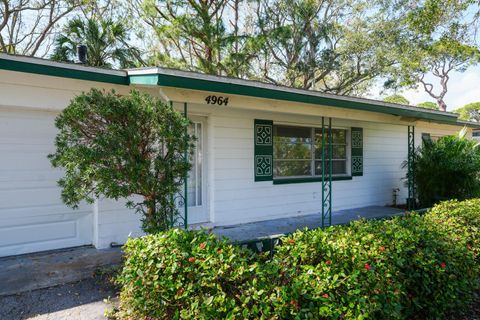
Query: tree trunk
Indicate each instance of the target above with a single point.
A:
(442, 105)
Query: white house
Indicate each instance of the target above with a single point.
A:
(258, 153)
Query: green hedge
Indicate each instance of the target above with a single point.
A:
(407, 267)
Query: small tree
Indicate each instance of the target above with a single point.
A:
(122, 147)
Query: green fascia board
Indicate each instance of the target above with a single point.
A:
(57, 71)
(277, 94)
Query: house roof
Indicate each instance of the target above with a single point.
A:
(197, 81)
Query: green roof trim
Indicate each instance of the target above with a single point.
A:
(60, 71)
(177, 81)
(195, 81)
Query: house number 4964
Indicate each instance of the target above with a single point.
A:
(221, 101)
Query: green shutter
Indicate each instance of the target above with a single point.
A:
(263, 159)
(357, 151)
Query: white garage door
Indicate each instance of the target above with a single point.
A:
(32, 215)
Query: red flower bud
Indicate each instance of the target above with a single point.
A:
(202, 245)
(328, 262)
(291, 241)
(325, 295)
(443, 265)
(367, 266)
(382, 248)
(191, 259)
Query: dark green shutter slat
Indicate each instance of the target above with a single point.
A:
(263, 159)
(357, 151)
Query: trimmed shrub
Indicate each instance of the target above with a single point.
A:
(447, 169)
(403, 268)
(399, 268)
(185, 274)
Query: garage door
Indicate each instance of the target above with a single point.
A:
(32, 215)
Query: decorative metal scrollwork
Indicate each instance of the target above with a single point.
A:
(411, 200)
(327, 149)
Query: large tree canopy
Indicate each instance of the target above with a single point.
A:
(324, 45)
(432, 41)
(206, 36)
(336, 46)
(26, 26)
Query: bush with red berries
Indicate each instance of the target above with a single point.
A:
(410, 267)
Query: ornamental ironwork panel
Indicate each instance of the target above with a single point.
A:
(411, 200)
(357, 151)
(327, 149)
(181, 198)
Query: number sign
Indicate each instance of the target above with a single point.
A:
(218, 100)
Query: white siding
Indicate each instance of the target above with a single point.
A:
(116, 223)
(239, 199)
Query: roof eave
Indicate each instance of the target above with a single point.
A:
(63, 70)
(153, 76)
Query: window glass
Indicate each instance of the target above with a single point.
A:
(296, 168)
(338, 167)
(297, 151)
(195, 174)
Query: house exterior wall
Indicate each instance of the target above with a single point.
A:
(239, 199)
(32, 214)
(33, 217)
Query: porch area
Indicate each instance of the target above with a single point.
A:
(277, 227)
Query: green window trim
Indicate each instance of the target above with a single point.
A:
(308, 179)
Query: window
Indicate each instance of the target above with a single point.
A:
(297, 151)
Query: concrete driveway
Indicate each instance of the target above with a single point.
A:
(61, 284)
(82, 300)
